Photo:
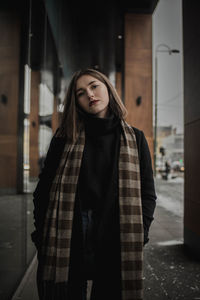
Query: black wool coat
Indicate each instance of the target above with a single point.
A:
(41, 198)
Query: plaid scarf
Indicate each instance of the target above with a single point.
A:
(59, 217)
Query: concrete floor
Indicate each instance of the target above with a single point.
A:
(16, 247)
(169, 272)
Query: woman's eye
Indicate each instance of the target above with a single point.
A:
(94, 86)
(80, 94)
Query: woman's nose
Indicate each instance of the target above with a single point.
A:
(90, 94)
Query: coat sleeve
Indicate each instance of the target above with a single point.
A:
(41, 193)
(148, 194)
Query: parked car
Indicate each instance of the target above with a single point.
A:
(177, 166)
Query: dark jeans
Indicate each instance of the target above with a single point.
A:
(88, 248)
(85, 285)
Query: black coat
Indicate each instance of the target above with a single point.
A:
(41, 198)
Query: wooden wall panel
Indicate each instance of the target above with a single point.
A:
(55, 116)
(9, 90)
(119, 83)
(138, 73)
(34, 124)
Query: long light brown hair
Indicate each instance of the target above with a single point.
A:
(71, 121)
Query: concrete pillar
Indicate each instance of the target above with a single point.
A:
(191, 33)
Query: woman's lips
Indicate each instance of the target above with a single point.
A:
(93, 102)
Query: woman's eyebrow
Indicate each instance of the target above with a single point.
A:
(91, 82)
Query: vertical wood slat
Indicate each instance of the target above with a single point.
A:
(138, 73)
(55, 116)
(9, 91)
(34, 124)
(119, 83)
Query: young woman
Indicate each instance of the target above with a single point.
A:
(95, 198)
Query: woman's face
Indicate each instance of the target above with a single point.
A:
(92, 96)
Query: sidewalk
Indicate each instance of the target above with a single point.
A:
(169, 273)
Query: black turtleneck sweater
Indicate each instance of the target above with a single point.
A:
(99, 163)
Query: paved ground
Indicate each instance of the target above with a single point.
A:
(169, 272)
(16, 248)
